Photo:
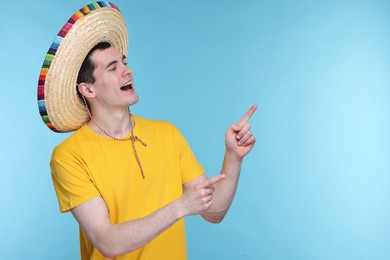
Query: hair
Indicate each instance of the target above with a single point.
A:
(88, 67)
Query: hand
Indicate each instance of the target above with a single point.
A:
(238, 138)
(198, 195)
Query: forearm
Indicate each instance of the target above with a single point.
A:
(129, 236)
(225, 190)
(118, 239)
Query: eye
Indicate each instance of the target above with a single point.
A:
(113, 68)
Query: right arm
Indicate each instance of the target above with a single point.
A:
(118, 239)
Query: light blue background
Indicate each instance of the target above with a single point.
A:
(316, 186)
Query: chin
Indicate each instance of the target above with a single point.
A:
(134, 100)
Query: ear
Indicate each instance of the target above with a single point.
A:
(86, 90)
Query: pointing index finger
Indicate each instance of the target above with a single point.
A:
(213, 180)
(248, 115)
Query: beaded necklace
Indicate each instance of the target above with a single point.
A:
(132, 138)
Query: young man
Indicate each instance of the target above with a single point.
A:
(128, 181)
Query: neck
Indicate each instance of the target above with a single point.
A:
(116, 126)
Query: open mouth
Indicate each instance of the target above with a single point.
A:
(128, 86)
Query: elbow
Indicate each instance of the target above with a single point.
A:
(108, 255)
(214, 218)
(107, 251)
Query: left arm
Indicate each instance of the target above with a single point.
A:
(239, 141)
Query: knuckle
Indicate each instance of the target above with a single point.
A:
(202, 193)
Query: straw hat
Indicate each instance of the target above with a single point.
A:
(60, 107)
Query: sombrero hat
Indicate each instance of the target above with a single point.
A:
(59, 105)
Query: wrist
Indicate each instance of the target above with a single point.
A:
(177, 209)
(233, 157)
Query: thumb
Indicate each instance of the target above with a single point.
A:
(235, 127)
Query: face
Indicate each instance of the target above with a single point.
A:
(114, 80)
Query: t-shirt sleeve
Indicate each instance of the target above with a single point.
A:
(190, 167)
(71, 180)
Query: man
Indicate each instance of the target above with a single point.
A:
(128, 181)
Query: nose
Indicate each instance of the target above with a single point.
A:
(127, 70)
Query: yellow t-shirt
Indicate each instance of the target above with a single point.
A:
(87, 165)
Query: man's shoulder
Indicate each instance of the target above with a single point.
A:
(153, 123)
(160, 129)
(73, 140)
